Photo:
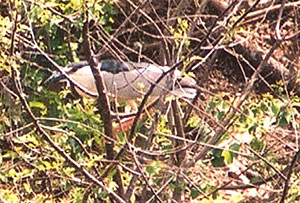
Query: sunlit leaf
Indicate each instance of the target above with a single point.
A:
(27, 188)
(37, 104)
(275, 108)
(228, 158)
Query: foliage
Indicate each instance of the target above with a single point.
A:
(259, 137)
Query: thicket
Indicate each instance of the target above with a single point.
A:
(236, 141)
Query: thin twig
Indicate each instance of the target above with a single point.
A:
(290, 171)
(219, 131)
(45, 135)
(138, 165)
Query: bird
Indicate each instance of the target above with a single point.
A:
(128, 81)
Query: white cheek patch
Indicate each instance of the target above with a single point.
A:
(184, 86)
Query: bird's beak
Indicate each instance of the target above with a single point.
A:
(54, 82)
(54, 78)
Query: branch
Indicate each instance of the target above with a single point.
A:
(219, 131)
(290, 170)
(146, 96)
(45, 135)
(138, 165)
(102, 101)
(180, 154)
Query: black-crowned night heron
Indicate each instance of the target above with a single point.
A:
(128, 81)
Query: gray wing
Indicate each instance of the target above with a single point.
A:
(73, 67)
(110, 65)
(115, 66)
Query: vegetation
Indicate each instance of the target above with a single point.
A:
(237, 141)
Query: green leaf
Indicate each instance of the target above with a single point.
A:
(194, 121)
(47, 165)
(252, 128)
(275, 108)
(154, 168)
(150, 170)
(218, 160)
(216, 153)
(215, 195)
(194, 193)
(179, 188)
(234, 147)
(228, 158)
(12, 172)
(6, 121)
(283, 122)
(257, 144)
(27, 188)
(75, 4)
(10, 154)
(102, 194)
(37, 104)
(3, 177)
(221, 115)
(243, 116)
(284, 118)
(50, 4)
(263, 107)
(13, 197)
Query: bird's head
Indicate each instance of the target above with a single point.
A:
(185, 86)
